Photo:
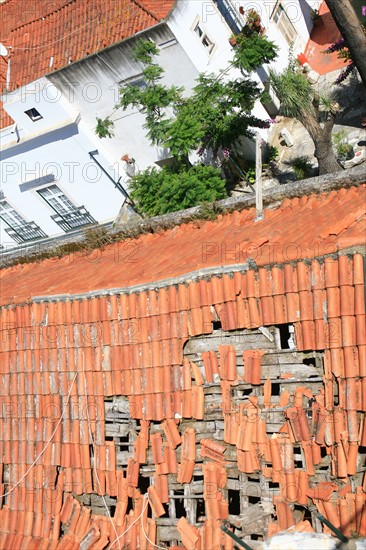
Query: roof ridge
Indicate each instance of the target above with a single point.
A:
(147, 10)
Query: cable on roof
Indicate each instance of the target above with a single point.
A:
(94, 461)
(133, 523)
(48, 442)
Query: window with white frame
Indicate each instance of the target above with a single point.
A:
(57, 199)
(283, 23)
(200, 32)
(10, 216)
(68, 216)
(19, 228)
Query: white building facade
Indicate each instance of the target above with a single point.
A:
(57, 176)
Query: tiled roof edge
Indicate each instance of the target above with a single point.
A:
(114, 45)
(353, 177)
(148, 11)
(186, 277)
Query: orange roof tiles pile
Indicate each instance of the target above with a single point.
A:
(60, 357)
(67, 31)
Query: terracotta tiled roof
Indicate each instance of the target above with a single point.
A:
(299, 228)
(5, 119)
(69, 30)
(61, 357)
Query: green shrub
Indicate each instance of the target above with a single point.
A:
(158, 192)
(344, 149)
(301, 167)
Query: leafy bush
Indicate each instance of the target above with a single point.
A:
(344, 149)
(301, 167)
(272, 153)
(173, 188)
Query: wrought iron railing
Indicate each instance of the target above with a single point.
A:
(74, 219)
(26, 232)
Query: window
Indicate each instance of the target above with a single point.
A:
(33, 114)
(68, 216)
(284, 24)
(137, 81)
(19, 229)
(198, 29)
(56, 199)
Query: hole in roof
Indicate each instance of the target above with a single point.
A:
(285, 334)
(179, 508)
(200, 510)
(309, 361)
(234, 502)
(216, 325)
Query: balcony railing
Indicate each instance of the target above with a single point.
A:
(26, 232)
(229, 10)
(74, 219)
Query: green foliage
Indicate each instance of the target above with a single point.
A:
(294, 92)
(252, 51)
(154, 99)
(301, 167)
(173, 188)
(344, 149)
(104, 128)
(272, 153)
(144, 51)
(214, 116)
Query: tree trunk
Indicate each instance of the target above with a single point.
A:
(325, 155)
(352, 31)
(322, 138)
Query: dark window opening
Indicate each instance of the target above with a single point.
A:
(276, 389)
(143, 484)
(179, 508)
(216, 325)
(234, 502)
(284, 336)
(200, 509)
(254, 500)
(33, 114)
(129, 505)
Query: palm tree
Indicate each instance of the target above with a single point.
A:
(352, 31)
(317, 114)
